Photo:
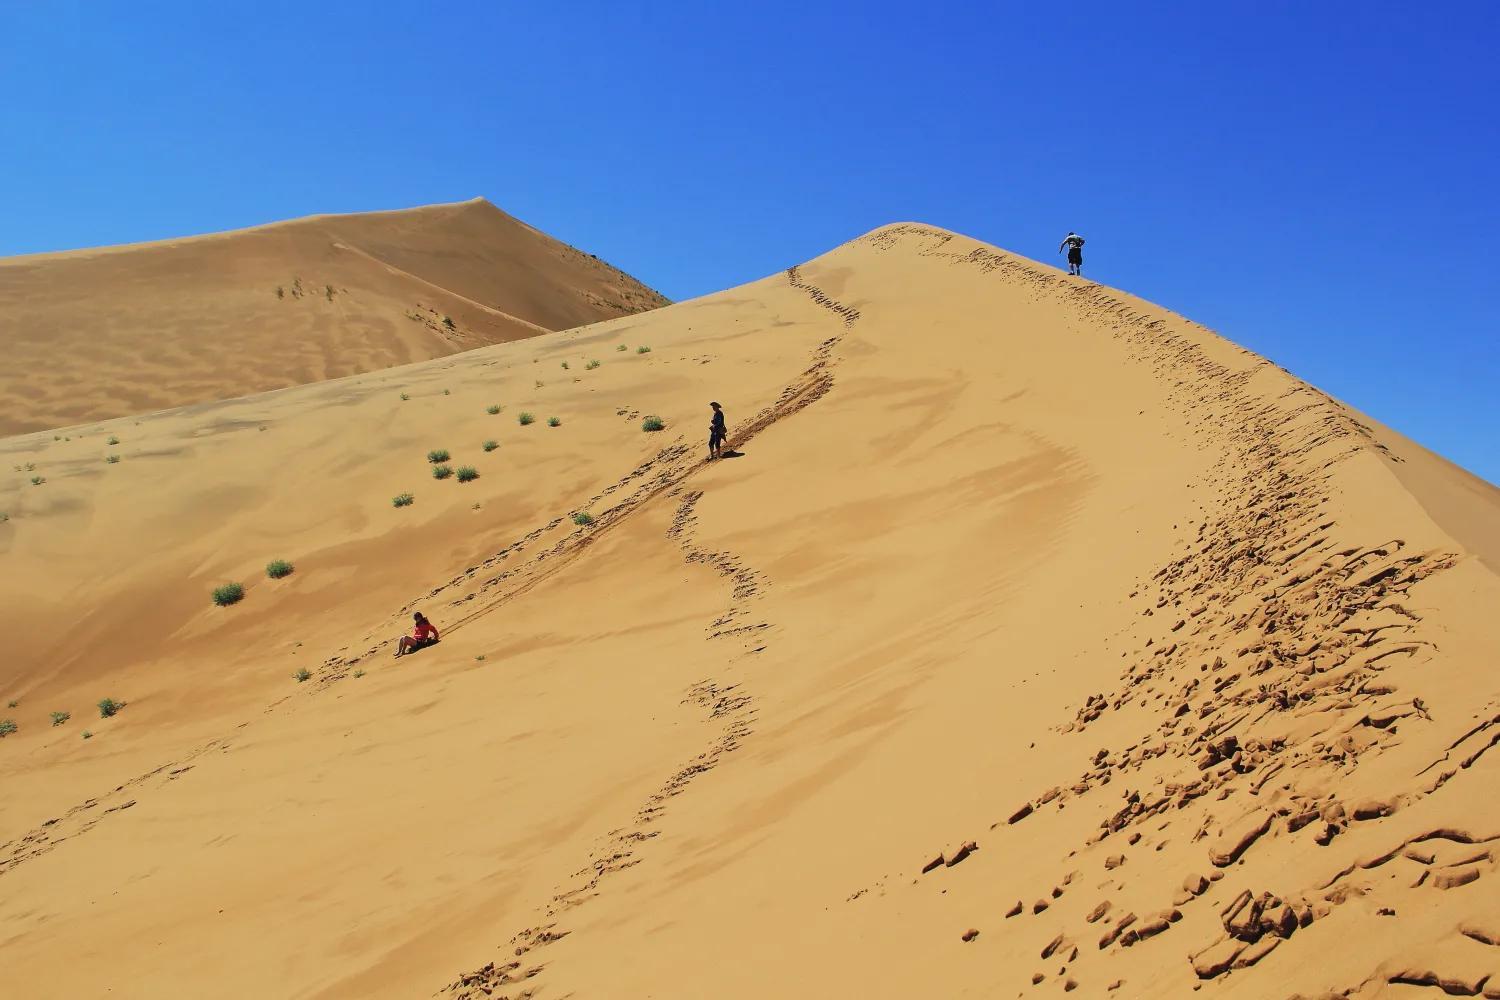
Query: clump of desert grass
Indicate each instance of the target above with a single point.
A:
(593, 363)
(554, 421)
(653, 423)
(643, 350)
(109, 707)
(112, 459)
(228, 593)
(583, 519)
(492, 409)
(441, 471)
(526, 419)
(278, 568)
(302, 675)
(403, 500)
(58, 718)
(467, 474)
(438, 455)
(7, 726)
(490, 445)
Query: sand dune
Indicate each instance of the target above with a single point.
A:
(1037, 641)
(95, 334)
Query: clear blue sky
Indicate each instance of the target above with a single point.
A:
(1315, 181)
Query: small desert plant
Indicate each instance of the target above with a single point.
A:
(108, 707)
(227, 594)
(4, 517)
(622, 347)
(437, 455)
(593, 363)
(278, 568)
(58, 718)
(491, 445)
(526, 418)
(111, 459)
(447, 393)
(653, 423)
(302, 675)
(467, 473)
(405, 397)
(441, 472)
(328, 291)
(280, 292)
(643, 350)
(12, 704)
(112, 441)
(492, 409)
(480, 657)
(402, 500)
(583, 519)
(565, 366)
(554, 421)
(448, 322)
(297, 286)
(359, 673)
(38, 480)
(30, 466)
(539, 383)
(87, 735)
(7, 726)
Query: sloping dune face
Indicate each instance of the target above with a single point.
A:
(1033, 640)
(94, 334)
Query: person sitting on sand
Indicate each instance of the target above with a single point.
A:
(1074, 243)
(422, 635)
(716, 432)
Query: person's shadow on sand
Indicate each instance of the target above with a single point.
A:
(731, 453)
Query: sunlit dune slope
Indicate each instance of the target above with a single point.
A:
(1034, 640)
(93, 334)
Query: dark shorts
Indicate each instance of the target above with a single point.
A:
(1075, 255)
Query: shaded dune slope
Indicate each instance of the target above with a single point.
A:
(1038, 641)
(94, 334)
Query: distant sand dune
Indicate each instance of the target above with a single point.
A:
(94, 334)
(1036, 642)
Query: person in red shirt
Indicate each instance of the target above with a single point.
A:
(423, 634)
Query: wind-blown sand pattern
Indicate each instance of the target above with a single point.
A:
(1038, 641)
(94, 334)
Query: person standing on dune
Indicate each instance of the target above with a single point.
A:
(1074, 243)
(716, 432)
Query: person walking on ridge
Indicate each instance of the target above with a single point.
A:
(1074, 243)
(716, 432)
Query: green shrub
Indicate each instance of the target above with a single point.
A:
(448, 322)
(565, 366)
(109, 707)
(538, 383)
(37, 480)
(402, 500)
(302, 675)
(112, 441)
(554, 421)
(359, 673)
(278, 568)
(12, 704)
(58, 718)
(622, 347)
(404, 397)
(437, 455)
(7, 726)
(441, 472)
(583, 519)
(492, 409)
(594, 363)
(526, 418)
(479, 658)
(467, 473)
(227, 594)
(643, 350)
(112, 459)
(491, 445)
(87, 735)
(4, 517)
(653, 423)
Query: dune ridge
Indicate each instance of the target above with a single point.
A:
(1038, 640)
(111, 331)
